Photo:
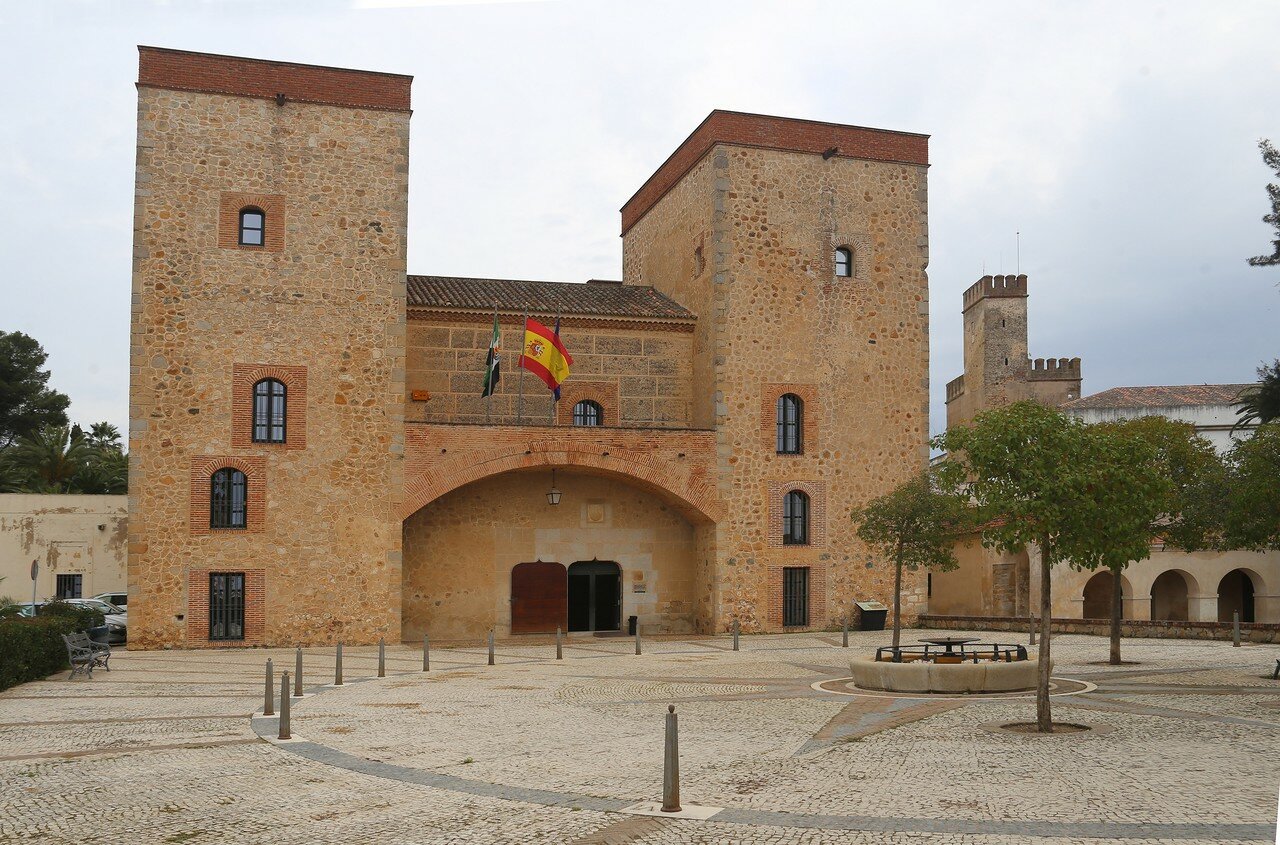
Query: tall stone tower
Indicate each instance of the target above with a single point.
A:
(997, 371)
(802, 248)
(267, 352)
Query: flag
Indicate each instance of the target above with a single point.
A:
(556, 389)
(544, 355)
(492, 366)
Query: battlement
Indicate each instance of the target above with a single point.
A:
(1051, 369)
(955, 388)
(994, 286)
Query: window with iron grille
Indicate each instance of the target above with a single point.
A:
(795, 519)
(844, 261)
(228, 498)
(790, 424)
(226, 606)
(69, 586)
(587, 412)
(253, 225)
(269, 403)
(795, 596)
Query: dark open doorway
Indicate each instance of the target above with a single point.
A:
(595, 596)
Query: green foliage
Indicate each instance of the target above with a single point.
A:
(27, 403)
(1253, 507)
(1260, 403)
(1271, 158)
(31, 649)
(66, 460)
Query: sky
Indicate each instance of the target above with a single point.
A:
(1107, 150)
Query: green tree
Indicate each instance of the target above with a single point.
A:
(1253, 500)
(1260, 403)
(50, 458)
(1040, 477)
(27, 403)
(1270, 157)
(913, 525)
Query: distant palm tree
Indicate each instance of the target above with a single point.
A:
(104, 434)
(1260, 403)
(51, 457)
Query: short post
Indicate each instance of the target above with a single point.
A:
(426, 652)
(637, 636)
(270, 691)
(1031, 619)
(671, 764)
(844, 639)
(1235, 628)
(559, 645)
(284, 707)
(297, 674)
(337, 667)
(490, 646)
(382, 657)
(736, 629)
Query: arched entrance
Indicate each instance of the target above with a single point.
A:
(1235, 594)
(537, 597)
(1097, 595)
(595, 596)
(1169, 597)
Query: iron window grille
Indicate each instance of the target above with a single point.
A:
(253, 227)
(844, 261)
(795, 519)
(228, 499)
(790, 424)
(795, 597)
(587, 412)
(226, 606)
(270, 401)
(69, 586)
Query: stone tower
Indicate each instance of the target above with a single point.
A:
(997, 370)
(269, 248)
(740, 225)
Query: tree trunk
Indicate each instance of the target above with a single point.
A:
(1044, 716)
(1117, 612)
(897, 599)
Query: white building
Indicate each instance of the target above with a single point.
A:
(1211, 408)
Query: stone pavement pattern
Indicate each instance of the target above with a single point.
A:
(163, 749)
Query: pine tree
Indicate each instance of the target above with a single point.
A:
(1271, 157)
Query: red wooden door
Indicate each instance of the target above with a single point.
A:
(539, 598)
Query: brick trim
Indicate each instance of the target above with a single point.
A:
(229, 205)
(254, 469)
(243, 378)
(216, 74)
(452, 318)
(817, 492)
(770, 392)
(255, 602)
(817, 595)
(603, 393)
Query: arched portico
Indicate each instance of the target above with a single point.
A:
(1237, 593)
(1171, 595)
(1097, 595)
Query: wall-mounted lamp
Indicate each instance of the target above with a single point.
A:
(553, 495)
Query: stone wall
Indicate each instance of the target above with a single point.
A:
(68, 535)
(328, 303)
(1254, 633)
(641, 377)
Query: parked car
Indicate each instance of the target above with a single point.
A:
(113, 630)
(120, 600)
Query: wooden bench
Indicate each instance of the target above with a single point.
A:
(85, 655)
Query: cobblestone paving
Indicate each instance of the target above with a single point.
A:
(163, 749)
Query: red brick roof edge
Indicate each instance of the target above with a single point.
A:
(160, 67)
(773, 133)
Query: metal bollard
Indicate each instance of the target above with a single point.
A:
(426, 652)
(671, 764)
(270, 691)
(844, 640)
(1032, 620)
(337, 667)
(297, 674)
(559, 648)
(736, 630)
(491, 647)
(1235, 628)
(284, 707)
(382, 657)
(637, 636)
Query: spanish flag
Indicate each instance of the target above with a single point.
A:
(544, 355)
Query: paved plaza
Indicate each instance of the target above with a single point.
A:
(166, 748)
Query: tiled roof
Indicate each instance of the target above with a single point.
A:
(1159, 396)
(595, 298)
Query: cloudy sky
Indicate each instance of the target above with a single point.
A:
(1118, 138)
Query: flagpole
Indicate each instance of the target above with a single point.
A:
(520, 364)
(488, 400)
(553, 392)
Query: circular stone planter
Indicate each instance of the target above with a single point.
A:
(919, 676)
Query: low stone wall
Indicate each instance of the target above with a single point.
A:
(1253, 632)
(926, 676)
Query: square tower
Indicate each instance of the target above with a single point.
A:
(267, 352)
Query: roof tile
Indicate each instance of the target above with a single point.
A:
(1159, 396)
(596, 298)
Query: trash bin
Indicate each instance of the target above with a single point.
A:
(631, 625)
(871, 615)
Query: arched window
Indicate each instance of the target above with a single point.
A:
(790, 424)
(587, 412)
(844, 261)
(269, 403)
(228, 498)
(795, 519)
(253, 225)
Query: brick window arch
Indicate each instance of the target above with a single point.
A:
(276, 419)
(227, 494)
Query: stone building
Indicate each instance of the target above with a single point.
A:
(311, 457)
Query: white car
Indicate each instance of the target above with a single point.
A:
(120, 600)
